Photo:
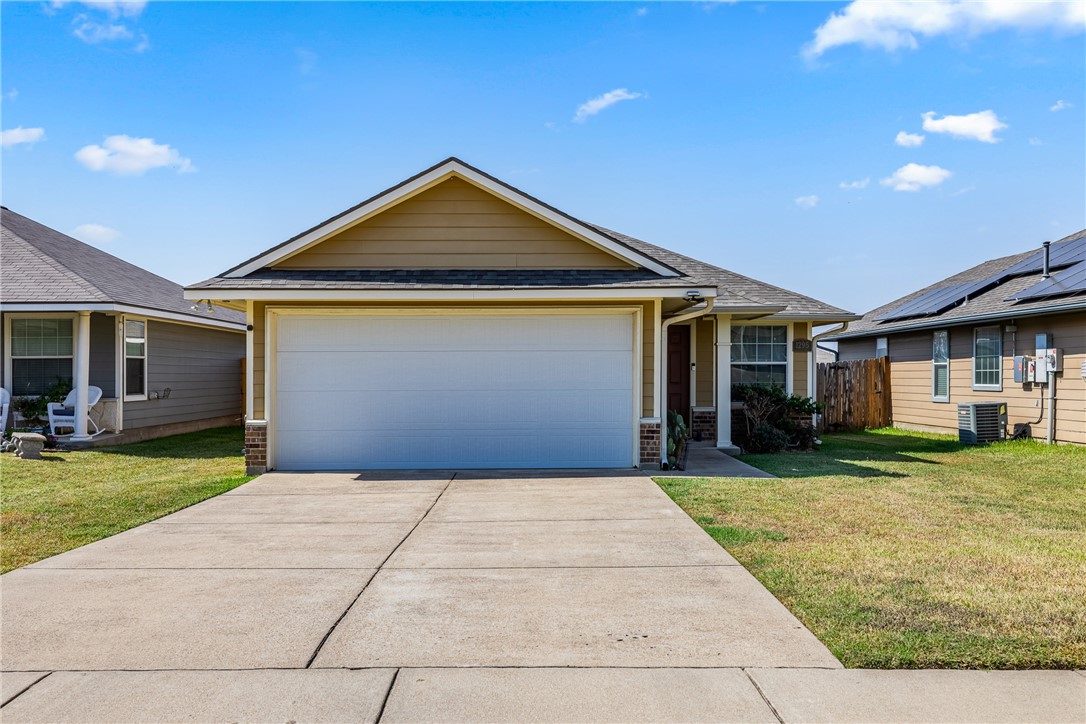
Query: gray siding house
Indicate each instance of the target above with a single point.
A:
(73, 312)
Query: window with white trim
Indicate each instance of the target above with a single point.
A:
(135, 359)
(882, 347)
(759, 354)
(940, 366)
(41, 354)
(988, 358)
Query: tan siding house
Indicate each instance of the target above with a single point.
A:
(454, 321)
(1003, 313)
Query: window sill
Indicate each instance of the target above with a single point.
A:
(135, 398)
(987, 388)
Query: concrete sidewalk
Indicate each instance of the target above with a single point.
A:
(704, 460)
(547, 695)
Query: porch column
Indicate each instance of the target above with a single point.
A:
(81, 378)
(724, 383)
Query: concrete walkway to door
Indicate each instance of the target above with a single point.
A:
(469, 596)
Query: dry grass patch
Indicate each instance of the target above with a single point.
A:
(908, 550)
(67, 500)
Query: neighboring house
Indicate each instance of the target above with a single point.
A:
(70, 311)
(955, 341)
(825, 354)
(454, 321)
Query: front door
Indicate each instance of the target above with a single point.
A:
(678, 371)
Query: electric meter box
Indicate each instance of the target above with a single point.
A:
(1049, 360)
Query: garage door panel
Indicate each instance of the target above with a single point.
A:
(398, 333)
(320, 451)
(368, 411)
(503, 369)
(463, 391)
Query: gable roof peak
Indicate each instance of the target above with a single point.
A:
(431, 177)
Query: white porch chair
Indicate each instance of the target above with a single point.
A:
(5, 402)
(62, 414)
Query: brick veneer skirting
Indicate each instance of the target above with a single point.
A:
(256, 447)
(650, 442)
(703, 423)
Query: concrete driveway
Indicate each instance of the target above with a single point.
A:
(489, 596)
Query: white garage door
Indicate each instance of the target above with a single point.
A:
(456, 391)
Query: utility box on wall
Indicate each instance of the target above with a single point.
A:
(1024, 370)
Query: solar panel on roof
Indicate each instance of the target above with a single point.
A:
(1062, 254)
(1068, 281)
(936, 300)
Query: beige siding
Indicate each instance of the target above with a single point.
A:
(648, 360)
(703, 358)
(910, 370)
(259, 344)
(454, 225)
(799, 361)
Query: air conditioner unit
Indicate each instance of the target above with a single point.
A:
(981, 422)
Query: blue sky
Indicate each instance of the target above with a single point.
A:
(186, 137)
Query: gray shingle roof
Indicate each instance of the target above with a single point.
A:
(41, 266)
(996, 301)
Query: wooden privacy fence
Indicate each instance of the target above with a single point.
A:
(856, 394)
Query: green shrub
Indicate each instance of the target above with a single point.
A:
(775, 419)
(34, 408)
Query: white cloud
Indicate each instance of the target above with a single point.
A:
(1036, 141)
(853, 185)
(896, 24)
(642, 12)
(590, 108)
(977, 126)
(11, 94)
(129, 156)
(93, 32)
(909, 140)
(913, 177)
(15, 136)
(1059, 105)
(114, 8)
(807, 202)
(95, 233)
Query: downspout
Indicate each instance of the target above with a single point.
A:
(661, 374)
(1051, 437)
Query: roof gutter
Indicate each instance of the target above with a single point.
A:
(661, 374)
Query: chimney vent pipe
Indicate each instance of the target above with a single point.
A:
(1046, 274)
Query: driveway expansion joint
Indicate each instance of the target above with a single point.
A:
(388, 694)
(316, 652)
(26, 688)
(764, 697)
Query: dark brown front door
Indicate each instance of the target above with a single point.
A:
(678, 371)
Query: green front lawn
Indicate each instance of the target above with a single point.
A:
(67, 500)
(902, 550)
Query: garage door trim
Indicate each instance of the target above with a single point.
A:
(271, 349)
